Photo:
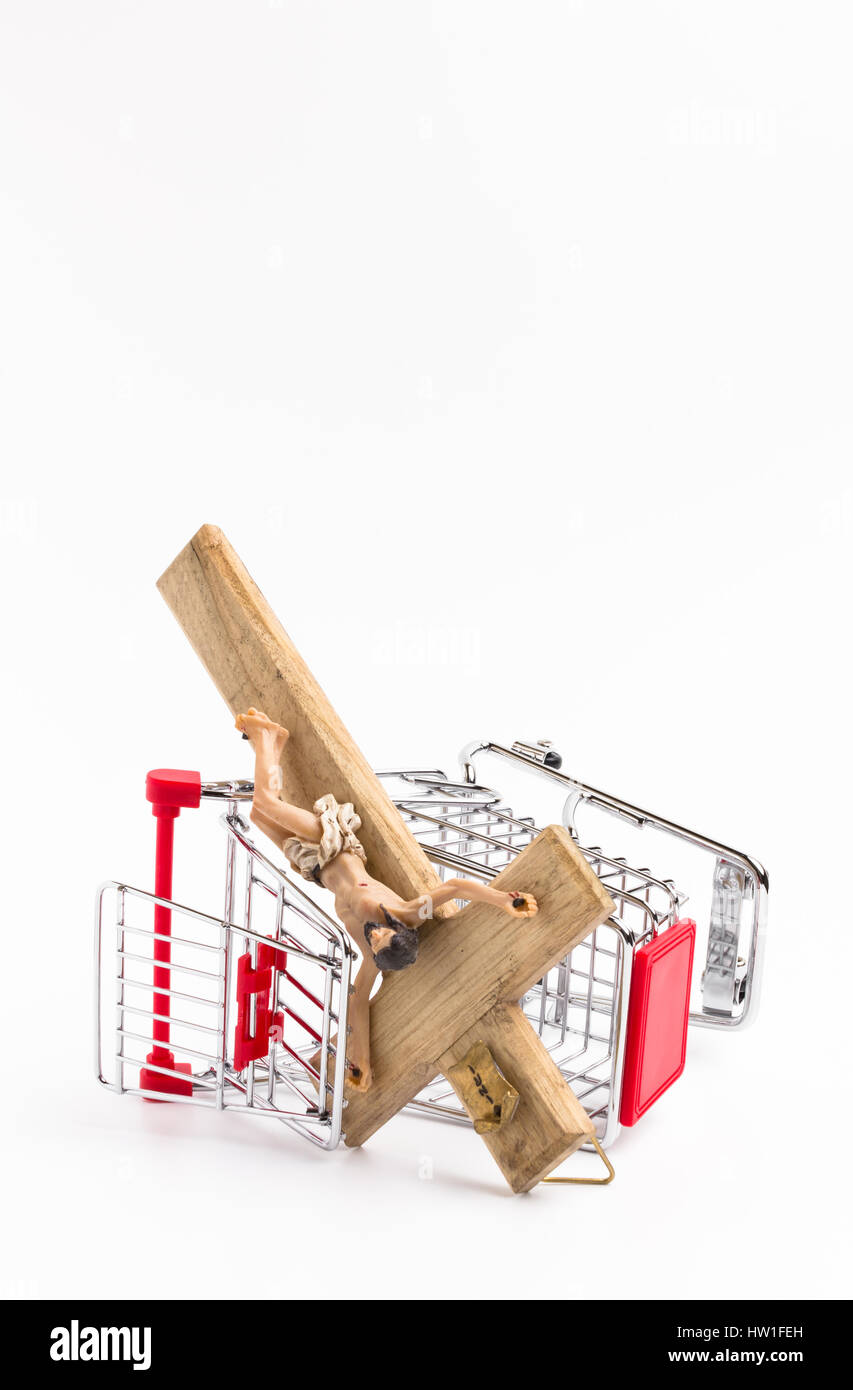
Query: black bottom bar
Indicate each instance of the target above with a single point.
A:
(596, 1338)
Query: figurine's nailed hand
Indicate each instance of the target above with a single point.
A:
(521, 905)
(358, 1078)
(254, 725)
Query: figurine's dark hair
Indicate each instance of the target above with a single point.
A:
(402, 949)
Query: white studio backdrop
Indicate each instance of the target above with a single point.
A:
(510, 347)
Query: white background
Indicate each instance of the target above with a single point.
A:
(510, 345)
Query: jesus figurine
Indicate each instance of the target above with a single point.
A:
(323, 846)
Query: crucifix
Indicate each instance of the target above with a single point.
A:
(456, 1010)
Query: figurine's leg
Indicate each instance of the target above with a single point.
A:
(275, 817)
(269, 827)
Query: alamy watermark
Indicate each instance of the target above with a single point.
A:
(723, 127)
(425, 646)
(76, 1343)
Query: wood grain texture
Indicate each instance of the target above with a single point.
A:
(252, 661)
(466, 966)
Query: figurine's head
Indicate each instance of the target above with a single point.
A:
(394, 945)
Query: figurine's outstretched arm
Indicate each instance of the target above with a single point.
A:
(359, 1074)
(516, 904)
(358, 1042)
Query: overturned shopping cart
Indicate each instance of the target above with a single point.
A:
(247, 1011)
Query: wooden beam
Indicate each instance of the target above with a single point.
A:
(549, 1123)
(252, 661)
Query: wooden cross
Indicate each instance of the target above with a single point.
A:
(473, 966)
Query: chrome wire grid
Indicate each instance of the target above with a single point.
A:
(728, 889)
(311, 968)
(580, 1008)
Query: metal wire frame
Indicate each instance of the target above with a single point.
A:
(580, 1007)
(310, 986)
(731, 979)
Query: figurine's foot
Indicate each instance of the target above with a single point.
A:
(255, 725)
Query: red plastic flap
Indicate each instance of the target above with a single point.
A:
(248, 1046)
(658, 1013)
(172, 786)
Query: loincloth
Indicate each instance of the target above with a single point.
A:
(339, 824)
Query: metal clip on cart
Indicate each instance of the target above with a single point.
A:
(242, 1012)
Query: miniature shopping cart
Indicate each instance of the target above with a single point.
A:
(247, 1011)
